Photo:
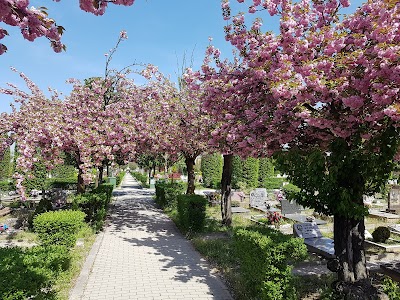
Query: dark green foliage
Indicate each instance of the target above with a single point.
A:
(94, 205)
(264, 255)
(391, 288)
(119, 177)
(70, 183)
(143, 179)
(381, 234)
(7, 186)
(58, 227)
(290, 191)
(38, 182)
(250, 172)
(237, 171)
(192, 212)
(5, 165)
(29, 273)
(64, 172)
(345, 175)
(266, 170)
(105, 188)
(273, 183)
(211, 170)
(167, 193)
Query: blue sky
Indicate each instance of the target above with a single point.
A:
(159, 32)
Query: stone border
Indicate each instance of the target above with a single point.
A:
(80, 284)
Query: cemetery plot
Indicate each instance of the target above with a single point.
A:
(292, 211)
(394, 199)
(314, 240)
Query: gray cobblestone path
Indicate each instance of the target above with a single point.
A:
(141, 255)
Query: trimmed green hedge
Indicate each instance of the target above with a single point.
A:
(58, 227)
(143, 179)
(105, 188)
(273, 183)
(94, 205)
(29, 273)
(167, 193)
(264, 255)
(119, 177)
(211, 170)
(62, 183)
(192, 212)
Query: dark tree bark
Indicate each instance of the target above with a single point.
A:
(226, 209)
(190, 162)
(81, 184)
(100, 177)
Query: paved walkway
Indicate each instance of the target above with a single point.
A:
(141, 255)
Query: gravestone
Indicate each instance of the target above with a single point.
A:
(289, 208)
(314, 240)
(258, 197)
(307, 230)
(394, 198)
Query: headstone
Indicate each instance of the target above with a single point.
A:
(290, 207)
(307, 230)
(237, 196)
(258, 197)
(394, 198)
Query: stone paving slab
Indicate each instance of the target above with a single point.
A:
(141, 255)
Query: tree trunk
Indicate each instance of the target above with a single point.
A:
(226, 209)
(100, 177)
(149, 174)
(190, 162)
(81, 184)
(350, 264)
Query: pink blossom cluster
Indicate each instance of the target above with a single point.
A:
(34, 22)
(321, 78)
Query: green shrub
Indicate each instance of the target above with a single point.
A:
(391, 288)
(29, 273)
(237, 173)
(381, 234)
(211, 170)
(94, 205)
(192, 212)
(119, 177)
(7, 186)
(266, 170)
(273, 183)
(62, 183)
(105, 188)
(143, 179)
(264, 256)
(58, 227)
(167, 193)
(250, 172)
(290, 191)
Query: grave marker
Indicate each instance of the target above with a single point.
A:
(307, 230)
(394, 198)
(258, 197)
(289, 208)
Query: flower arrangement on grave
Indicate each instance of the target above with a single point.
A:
(279, 195)
(272, 218)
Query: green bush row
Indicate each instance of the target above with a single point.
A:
(58, 227)
(29, 273)
(119, 177)
(167, 193)
(273, 183)
(192, 212)
(62, 183)
(141, 178)
(264, 255)
(94, 205)
(105, 188)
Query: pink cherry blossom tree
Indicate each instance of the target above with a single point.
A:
(323, 96)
